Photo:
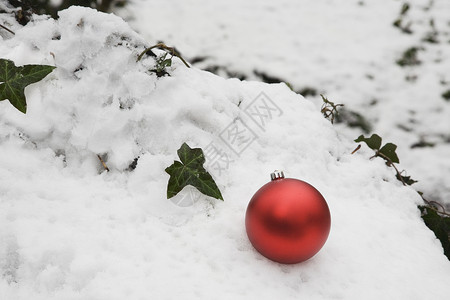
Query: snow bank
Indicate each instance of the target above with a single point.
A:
(344, 50)
(70, 230)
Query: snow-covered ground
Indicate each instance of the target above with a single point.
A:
(344, 50)
(71, 230)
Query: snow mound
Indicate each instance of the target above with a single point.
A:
(70, 230)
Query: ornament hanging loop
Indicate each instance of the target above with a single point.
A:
(277, 174)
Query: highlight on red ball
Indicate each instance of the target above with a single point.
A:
(287, 220)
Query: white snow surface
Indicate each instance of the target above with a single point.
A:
(71, 230)
(346, 50)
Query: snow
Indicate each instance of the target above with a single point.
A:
(71, 230)
(346, 51)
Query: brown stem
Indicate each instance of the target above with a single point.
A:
(7, 29)
(430, 205)
(357, 148)
(399, 175)
(168, 49)
(103, 163)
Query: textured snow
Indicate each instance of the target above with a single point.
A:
(70, 230)
(345, 50)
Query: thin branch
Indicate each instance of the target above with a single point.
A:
(103, 163)
(399, 176)
(435, 204)
(390, 163)
(162, 46)
(7, 29)
(356, 149)
(326, 111)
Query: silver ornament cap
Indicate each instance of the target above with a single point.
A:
(277, 174)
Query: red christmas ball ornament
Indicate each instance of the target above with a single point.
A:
(287, 220)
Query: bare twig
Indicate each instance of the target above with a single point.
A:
(356, 149)
(7, 29)
(391, 164)
(103, 163)
(162, 46)
(329, 109)
(433, 204)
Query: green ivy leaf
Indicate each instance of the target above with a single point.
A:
(13, 81)
(388, 150)
(440, 225)
(406, 179)
(190, 171)
(166, 63)
(374, 142)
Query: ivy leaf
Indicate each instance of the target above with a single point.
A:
(374, 142)
(13, 81)
(406, 179)
(439, 225)
(388, 150)
(166, 63)
(190, 171)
